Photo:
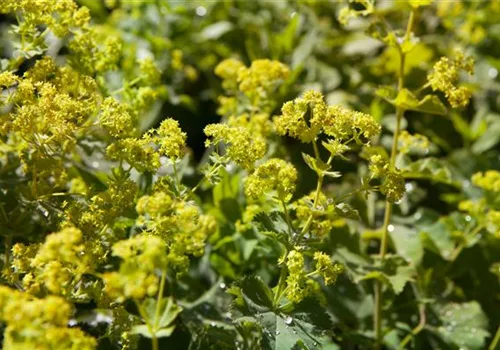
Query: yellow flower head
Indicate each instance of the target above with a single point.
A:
(274, 175)
(243, 148)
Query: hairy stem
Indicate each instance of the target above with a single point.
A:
(377, 322)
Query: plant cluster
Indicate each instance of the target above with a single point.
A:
(333, 205)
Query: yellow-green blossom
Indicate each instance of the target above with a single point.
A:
(171, 139)
(262, 77)
(489, 180)
(297, 287)
(179, 224)
(228, 70)
(445, 75)
(344, 124)
(303, 118)
(139, 153)
(116, 119)
(141, 256)
(39, 323)
(326, 268)
(412, 143)
(243, 148)
(273, 175)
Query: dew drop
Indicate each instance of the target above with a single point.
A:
(492, 73)
(201, 11)
(222, 285)
(288, 320)
(390, 228)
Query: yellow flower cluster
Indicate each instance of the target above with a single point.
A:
(489, 180)
(445, 75)
(180, 224)
(274, 175)
(139, 153)
(116, 119)
(243, 148)
(228, 70)
(259, 80)
(344, 124)
(144, 153)
(323, 215)
(484, 215)
(94, 51)
(39, 323)
(303, 118)
(262, 77)
(104, 207)
(58, 263)
(408, 143)
(141, 255)
(60, 16)
(50, 111)
(171, 139)
(393, 184)
(297, 286)
(326, 268)
(307, 117)
(245, 223)
(257, 124)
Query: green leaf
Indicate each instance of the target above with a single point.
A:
(142, 330)
(169, 312)
(304, 49)
(272, 225)
(318, 165)
(431, 104)
(430, 169)
(405, 99)
(256, 293)
(464, 325)
(282, 332)
(401, 277)
(216, 30)
(165, 332)
(488, 140)
(407, 243)
(437, 239)
(346, 211)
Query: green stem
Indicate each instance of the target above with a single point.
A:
(421, 323)
(378, 298)
(148, 325)
(495, 341)
(281, 282)
(213, 171)
(160, 296)
(154, 338)
(287, 217)
(283, 274)
(176, 177)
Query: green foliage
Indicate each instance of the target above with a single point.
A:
(249, 174)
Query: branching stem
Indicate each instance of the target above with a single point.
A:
(377, 322)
